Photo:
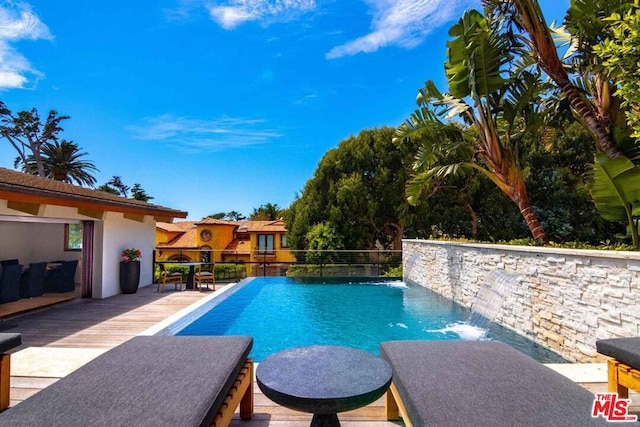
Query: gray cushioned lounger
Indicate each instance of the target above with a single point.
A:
(147, 381)
(483, 383)
(625, 350)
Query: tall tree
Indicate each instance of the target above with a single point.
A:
(620, 57)
(63, 162)
(229, 216)
(584, 17)
(504, 104)
(27, 134)
(121, 187)
(267, 212)
(358, 188)
(118, 187)
(138, 193)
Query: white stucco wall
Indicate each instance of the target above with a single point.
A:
(119, 233)
(567, 299)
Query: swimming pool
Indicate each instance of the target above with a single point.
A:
(281, 312)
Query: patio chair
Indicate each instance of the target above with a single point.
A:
(204, 277)
(8, 341)
(62, 278)
(32, 280)
(624, 364)
(479, 383)
(167, 278)
(10, 283)
(149, 381)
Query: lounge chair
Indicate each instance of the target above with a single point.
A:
(624, 365)
(479, 383)
(8, 341)
(149, 381)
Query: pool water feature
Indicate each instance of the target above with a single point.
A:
(490, 297)
(280, 313)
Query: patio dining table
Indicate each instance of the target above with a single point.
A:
(191, 266)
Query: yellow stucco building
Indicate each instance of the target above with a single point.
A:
(259, 244)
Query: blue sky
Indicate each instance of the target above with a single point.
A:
(215, 106)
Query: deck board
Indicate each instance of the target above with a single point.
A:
(84, 324)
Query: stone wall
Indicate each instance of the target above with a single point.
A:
(565, 299)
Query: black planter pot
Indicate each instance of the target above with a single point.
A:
(129, 276)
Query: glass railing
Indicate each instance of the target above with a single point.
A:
(235, 265)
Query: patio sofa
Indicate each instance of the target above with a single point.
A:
(8, 341)
(10, 283)
(149, 381)
(62, 278)
(32, 280)
(479, 383)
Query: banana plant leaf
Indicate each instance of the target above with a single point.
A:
(614, 184)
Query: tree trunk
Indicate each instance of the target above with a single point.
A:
(474, 217)
(581, 106)
(37, 156)
(534, 225)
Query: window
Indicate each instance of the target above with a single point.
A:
(73, 237)
(265, 243)
(283, 241)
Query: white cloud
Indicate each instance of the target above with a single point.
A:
(405, 23)
(231, 13)
(204, 135)
(18, 22)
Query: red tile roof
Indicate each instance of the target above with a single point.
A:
(186, 239)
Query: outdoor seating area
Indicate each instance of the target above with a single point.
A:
(18, 281)
(480, 376)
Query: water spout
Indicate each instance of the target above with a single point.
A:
(490, 296)
(409, 267)
(486, 306)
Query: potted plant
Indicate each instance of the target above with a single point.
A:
(130, 270)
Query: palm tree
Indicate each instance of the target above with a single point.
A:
(528, 18)
(503, 106)
(62, 162)
(268, 212)
(602, 113)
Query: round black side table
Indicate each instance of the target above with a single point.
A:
(323, 380)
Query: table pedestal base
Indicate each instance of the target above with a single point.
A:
(325, 420)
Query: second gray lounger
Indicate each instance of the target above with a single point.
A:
(482, 383)
(147, 381)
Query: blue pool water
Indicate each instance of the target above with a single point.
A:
(280, 312)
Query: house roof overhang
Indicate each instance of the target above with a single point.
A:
(26, 193)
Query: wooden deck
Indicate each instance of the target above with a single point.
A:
(61, 338)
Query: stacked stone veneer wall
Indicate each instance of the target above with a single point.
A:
(566, 299)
